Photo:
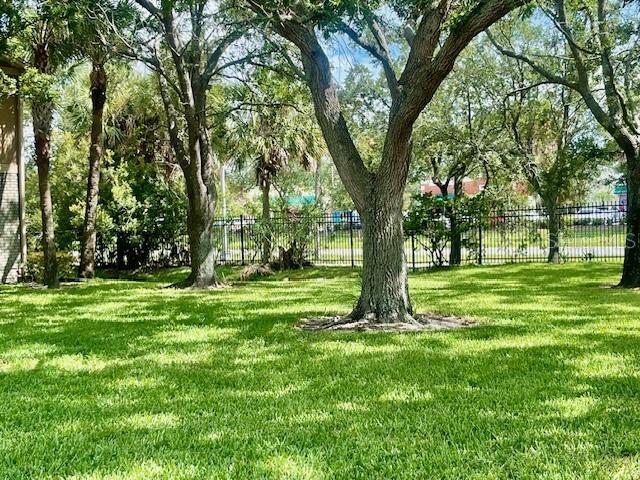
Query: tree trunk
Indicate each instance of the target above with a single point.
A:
(201, 218)
(42, 116)
(120, 251)
(196, 161)
(225, 227)
(317, 189)
(384, 295)
(455, 255)
(98, 99)
(46, 208)
(631, 268)
(553, 218)
(267, 241)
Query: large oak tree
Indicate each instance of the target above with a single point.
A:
(188, 44)
(435, 33)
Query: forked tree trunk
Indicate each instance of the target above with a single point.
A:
(196, 162)
(378, 195)
(631, 268)
(266, 218)
(98, 98)
(384, 295)
(42, 116)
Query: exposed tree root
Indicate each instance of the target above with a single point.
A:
(620, 286)
(252, 272)
(428, 321)
(189, 284)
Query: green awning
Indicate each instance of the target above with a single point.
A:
(297, 200)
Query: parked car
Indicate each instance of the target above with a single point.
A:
(599, 215)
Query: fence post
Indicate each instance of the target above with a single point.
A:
(480, 240)
(242, 239)
(413, 251)
(353, 263)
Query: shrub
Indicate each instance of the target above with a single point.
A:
(429, 220)
(292, 233)
(67, 266)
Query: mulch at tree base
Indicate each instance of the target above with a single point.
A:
(427, 321)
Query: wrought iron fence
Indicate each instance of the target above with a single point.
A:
(588, 232)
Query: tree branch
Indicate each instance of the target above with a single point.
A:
(379, 51)
(551, 77)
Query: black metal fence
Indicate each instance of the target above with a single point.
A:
(590, 232)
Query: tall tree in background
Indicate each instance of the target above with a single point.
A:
(10, 22)
(93, 47)
(459, 136)
(187, 44)
(551, 147)
(47, 25)
(593, 48)
(435, 33)
(273, 127)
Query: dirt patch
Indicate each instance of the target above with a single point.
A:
(421, 322)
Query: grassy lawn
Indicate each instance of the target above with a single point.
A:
(124, 379)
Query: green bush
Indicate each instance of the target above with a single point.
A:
(430, 220)
(291, 232)
(35, 266)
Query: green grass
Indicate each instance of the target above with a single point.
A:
(125, 379)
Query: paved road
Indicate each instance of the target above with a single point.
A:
(490, 254)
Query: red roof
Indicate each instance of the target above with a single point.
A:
(469, 187)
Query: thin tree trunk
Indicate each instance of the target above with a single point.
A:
(267, 241)
(455, 254)
(318, 194)
(42, 116)
(46, 207)
(553, 219)
(120, 251)
(631, 268)
(225, 228)
(384, 295)
(96, 151)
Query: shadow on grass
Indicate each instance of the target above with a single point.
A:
(130, 380)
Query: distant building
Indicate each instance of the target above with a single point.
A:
(469, 187)
(13, 249)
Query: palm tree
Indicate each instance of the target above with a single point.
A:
(274, 131)
(46, 34)
(92, 45)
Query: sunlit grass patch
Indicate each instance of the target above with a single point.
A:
(130, 380)
(291, 467)
(151, 421)
(76, 363)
